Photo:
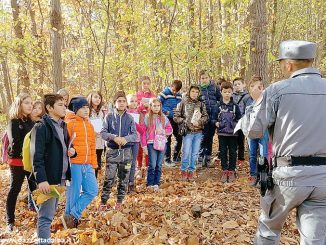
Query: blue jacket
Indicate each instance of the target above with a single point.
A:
(210, 96)
(115, 125)
(227, 115)
(169, 101)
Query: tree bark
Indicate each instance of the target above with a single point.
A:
(56, 31)
(6, 80)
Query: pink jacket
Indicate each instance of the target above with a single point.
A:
(140, 95)
(140, 127)
(148, 137)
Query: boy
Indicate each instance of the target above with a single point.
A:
(242, 98)
(119, 132)
(49, 149)
(83, 166)
(256, 88)
(228, 113)
(170, 97)
(210, 95)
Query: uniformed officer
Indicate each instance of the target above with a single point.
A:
(294, 111)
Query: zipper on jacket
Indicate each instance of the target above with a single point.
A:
(86, 141)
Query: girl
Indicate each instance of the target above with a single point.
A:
(139, 120)
(158, 128)
(96, 116)
(65, 94)
(38, 111)
(19, 125)
(193, 113)
(143, 97)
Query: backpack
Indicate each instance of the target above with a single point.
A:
(4, 147)
(27, 161)
(226, 119)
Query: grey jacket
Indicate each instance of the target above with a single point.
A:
(294, 111)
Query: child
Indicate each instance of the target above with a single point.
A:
(82, 135)
(139, 120)
(38, 111)
(96, 116)
(65, 94)
(19, 125)
(256, 88)
(143, 98)
(49, 148)
(210, 95)
(228, 113)
(170, 97)
(157, 128)
(242, 99)
(193, 113)
(119, 132)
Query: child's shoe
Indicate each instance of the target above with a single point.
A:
(10, 227)
(231, 176)
(253, 181)
(224, 177)
(131, 188)
(190, 176)
(118, 206)
(184, 176)
(69, 221)
(156, 188)
(103, 208)
(240, 163)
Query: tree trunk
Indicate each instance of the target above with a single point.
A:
(6, 80)
(56, 31)
(258, 41)
(23, 78)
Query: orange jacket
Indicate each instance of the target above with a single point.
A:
(83, 141)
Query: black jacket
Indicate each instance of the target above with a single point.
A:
(48, 152)
(18, 128)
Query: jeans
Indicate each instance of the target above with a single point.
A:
(82, 175)
(177, 142)
(17, 177)
(154, 171)
(253, 147)
(228, 151)
(45, 217)
(134, 150)
(190, 149)
(207, 142)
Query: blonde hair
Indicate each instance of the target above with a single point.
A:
(129, 97)
(15, 111)
(151, 114)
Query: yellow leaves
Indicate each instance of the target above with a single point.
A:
(55, 192)
(231, 224)
(192, 240)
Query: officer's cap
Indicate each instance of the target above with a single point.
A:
(297, 50)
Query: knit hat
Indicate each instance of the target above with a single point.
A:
(119, 94)
(76, 103)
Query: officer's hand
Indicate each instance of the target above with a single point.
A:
(44, 187)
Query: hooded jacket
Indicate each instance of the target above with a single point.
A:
(242, 99)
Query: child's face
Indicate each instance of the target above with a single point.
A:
(58, 109)
(132, 103)
(96, 100)
(146, 84)
(204, 79)
(83, 112)
(226, 93)
(255, 89)
(194, 93)
(156, 107)
(121, 104)
(238, 86)
(37, 111)
(66, 99)
(174, 90)
(27, 106)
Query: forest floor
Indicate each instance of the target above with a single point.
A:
(229, 214)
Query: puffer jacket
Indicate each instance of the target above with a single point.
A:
(210, 95)
(82, 135)
(169, 101)
(242, 99)
(185, 111)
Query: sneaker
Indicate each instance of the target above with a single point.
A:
(169, 164)
(10, 227)
(131, 188)
(103, 208)
(156, 187)
(252, 181)
(199, 163)
(118, 206)
(184, 176)
(207, 162)
(69, 221)
(231, 176)
(240, 163)
(224, 177)
(190, 176)
(176, 160)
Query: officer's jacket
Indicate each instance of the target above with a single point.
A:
(294, 111)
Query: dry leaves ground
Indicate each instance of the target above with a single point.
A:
(229, 214)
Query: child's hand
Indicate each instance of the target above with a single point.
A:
(117, 140)
(145, 150)
(71, 152)
(44, 187)
(196, 124)
(123, 141)
(217, 124)
(167, 113)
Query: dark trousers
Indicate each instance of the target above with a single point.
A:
(112, 170)
(177, 143)
(228, 152)
(18, 175)
(99, 153)
(207, 141)
(241, 145)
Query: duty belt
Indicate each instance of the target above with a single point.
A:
(298, 161)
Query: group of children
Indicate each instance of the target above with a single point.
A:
(68, 138)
